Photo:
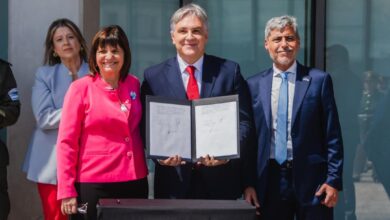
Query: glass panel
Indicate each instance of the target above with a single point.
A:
(236, 29)
(3, 44)
(358, 56)
(146, 24)
(4, 29)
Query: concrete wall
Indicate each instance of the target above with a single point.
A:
(28, 23)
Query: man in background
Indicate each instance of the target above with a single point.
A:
(9, 113)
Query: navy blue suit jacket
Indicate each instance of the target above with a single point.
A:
(220, 77)
(315, 132)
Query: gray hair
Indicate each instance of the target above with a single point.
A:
(279, 23)
(189, 9)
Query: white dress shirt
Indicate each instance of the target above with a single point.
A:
(185, 75)
(276, 82)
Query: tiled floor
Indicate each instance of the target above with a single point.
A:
(372, 202)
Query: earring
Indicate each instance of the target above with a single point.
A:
(55, 54)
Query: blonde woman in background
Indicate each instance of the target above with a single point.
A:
(64, 61)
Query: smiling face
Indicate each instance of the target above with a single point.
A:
(110, 60)
(66, 44)
(190, 37)
(282, 46)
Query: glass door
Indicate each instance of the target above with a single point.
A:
(358, 55)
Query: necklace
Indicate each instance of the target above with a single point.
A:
(117, 91)
(123, 107)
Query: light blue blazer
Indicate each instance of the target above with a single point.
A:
(48, 92)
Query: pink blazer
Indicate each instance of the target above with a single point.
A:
(99, 140)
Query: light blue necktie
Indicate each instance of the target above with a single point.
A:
(281, 124)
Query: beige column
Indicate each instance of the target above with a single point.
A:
(28, 23)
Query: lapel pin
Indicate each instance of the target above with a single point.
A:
(133, 95)
(307, 79)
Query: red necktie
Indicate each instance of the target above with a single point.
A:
(192, 86)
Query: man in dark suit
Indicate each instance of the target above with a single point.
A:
(212, 76)
(9, 113)
(300, 150)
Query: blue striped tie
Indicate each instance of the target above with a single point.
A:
(281, 124)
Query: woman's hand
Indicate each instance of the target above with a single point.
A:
(69, 206)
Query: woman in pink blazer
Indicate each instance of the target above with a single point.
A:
(100, 153)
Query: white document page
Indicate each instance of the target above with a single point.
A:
(170, 130)
(216, 129)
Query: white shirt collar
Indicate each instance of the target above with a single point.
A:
(291, 70)
(182, 64)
